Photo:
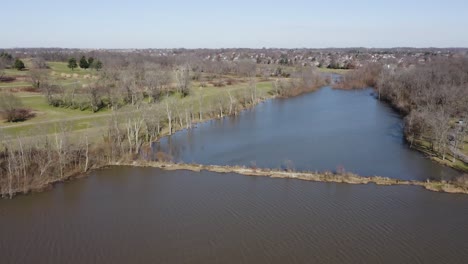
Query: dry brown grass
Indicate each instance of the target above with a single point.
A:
(349, 178)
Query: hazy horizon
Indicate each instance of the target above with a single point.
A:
(143, 24)
(252, 48)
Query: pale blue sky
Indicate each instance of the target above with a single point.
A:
(241, 23)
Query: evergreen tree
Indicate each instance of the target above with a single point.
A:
(84, 63)
(98, 65)
(19, 65)
(90, 61)
(72, 63)
(6, 56)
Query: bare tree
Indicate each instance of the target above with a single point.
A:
(94, 94)
(61, 147)
(169, 102)
(2, 69)
(153, 118)
(115, 138)
(134, 125)
(253, 89)
(39, 77)
(130, 87)
(232, 102)
(200, 106)
(246, 68)
(182, 75)
(39, 63)
(157, 81)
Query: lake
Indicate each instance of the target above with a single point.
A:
(147, 215)
(319, 131)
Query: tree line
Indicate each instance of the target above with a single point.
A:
(432, 96)
(32, 163)
(7, 61)
(137, 80)
(147, 100)
(84, 63)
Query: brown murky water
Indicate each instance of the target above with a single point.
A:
(145, 215)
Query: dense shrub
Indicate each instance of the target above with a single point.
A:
(11, 108)
(17, 114)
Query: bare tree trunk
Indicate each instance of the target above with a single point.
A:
(253, 87)
(443, 151)
(86, 154)
(231, 102)
(129, 136)
(10, 175)
(180, 118)
(221, 115)
(169, 116)
(23, 164)
(159, 126)
(200, 109)
(276, 85)
(187, 119)
(137, 128)
(59, 149)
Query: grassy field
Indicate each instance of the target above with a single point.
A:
(15, 73)
(48, 117)
(14, 84)
(59, 73)
(61, 67)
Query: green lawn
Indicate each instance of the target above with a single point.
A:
(15, 84)
(15, 73)
(34, 129)
(49, 116)
(262, 87)
(20, 82)
(62, 67)
(60, 74)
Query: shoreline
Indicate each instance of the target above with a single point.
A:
(326, 176)
(348, 178)
(417, 146)
(69, 176)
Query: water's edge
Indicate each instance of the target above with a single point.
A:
(349, 178)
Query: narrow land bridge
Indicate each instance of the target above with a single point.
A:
(350, 178)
